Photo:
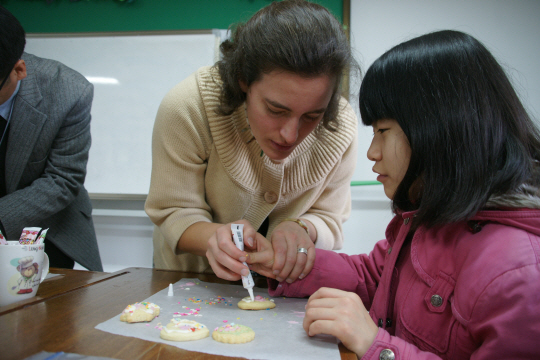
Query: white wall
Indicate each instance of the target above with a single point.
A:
(131, 75)
(370, 215)
(124, 233)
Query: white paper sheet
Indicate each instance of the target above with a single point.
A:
(278, 332)
(50, 276)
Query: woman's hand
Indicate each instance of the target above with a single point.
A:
(343, 315)
(261, 257)
(223, 255)
(289, 264)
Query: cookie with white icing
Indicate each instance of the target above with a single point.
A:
(184, 330)
(260, 303)
(139, 312)
(233, 334)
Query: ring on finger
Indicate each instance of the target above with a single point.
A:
(302, 250)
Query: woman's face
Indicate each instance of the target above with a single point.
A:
(283, 108)
(391, 152)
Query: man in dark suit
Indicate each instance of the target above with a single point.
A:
(45, 139)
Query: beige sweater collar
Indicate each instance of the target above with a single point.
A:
(309, 163)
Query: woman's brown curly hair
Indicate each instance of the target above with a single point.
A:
(292, 35)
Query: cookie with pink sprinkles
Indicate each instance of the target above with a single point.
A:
(140, 312)
(233, 334)
(184, 330)
(259, 303)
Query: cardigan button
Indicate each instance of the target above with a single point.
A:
(387, 354)
(270, 197)
(436, 300)
(406, 221)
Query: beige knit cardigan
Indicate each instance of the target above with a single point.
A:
(204, 168)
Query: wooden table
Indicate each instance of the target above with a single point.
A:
(63, 314)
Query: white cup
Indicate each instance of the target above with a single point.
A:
(22, 269)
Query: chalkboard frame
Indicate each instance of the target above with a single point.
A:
(65, 16)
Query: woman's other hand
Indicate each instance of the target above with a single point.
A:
(343, 315)
(289, 263)
(261, 257)
(223, 255)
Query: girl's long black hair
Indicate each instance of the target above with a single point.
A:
(469, 133)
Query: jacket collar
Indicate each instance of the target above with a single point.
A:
(29, 90)
(25, 125)
(526, 196)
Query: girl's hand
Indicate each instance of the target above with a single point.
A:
(224, 257)
(343, 315)
(289, 264)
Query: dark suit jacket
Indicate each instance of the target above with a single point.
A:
(47, 152)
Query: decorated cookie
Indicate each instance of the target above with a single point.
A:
(184, 330)
(233, 334)
(139, 312)
(260, 303)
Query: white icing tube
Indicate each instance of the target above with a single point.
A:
(238, 238)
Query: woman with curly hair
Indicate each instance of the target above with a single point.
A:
(264, 139)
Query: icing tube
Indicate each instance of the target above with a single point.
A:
(238, 237)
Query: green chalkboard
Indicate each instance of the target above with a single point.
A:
(68, 16)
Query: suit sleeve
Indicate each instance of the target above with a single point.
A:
(64, 172)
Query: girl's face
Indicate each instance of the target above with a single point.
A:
(283, 108)
(391, 152)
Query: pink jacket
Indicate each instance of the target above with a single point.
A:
(469, 290)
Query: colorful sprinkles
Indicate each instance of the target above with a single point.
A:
(146, 306)
(232, 328)
(194, 312)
